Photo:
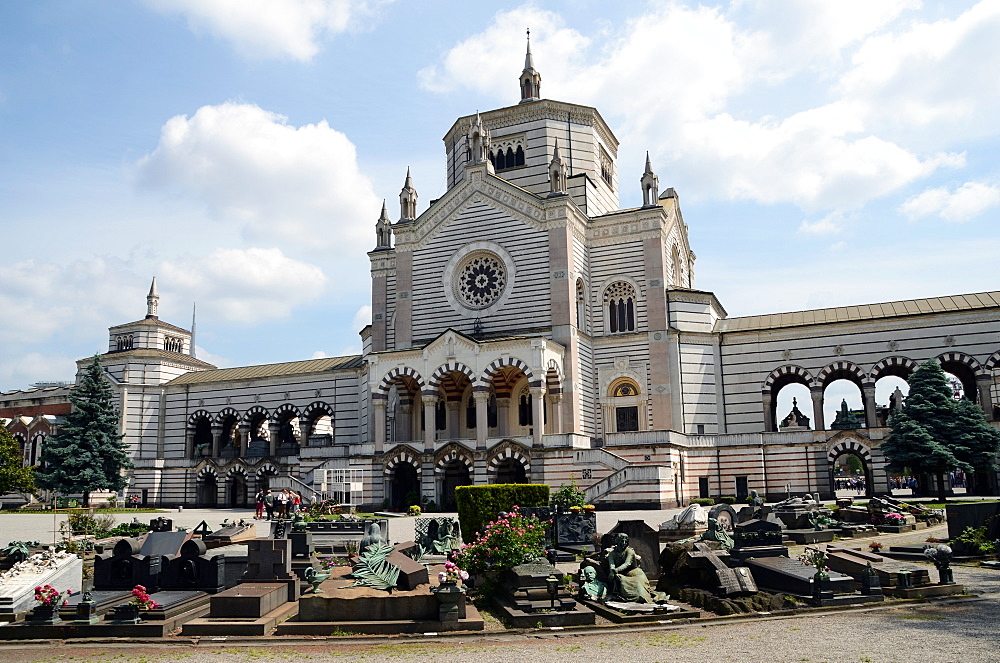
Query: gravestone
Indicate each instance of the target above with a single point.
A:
(575, 529)
(193, 570)
(728, 581)
(855, 563)
(270, 561)
(411, 573)
(163, 543)
(161, 524)
(781, 574)
(231, 533)
(643, 539)
(974, 515)
(62, 570)
(757, 538)
(124, 568)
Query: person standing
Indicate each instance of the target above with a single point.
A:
(259, 500)
(269, 504)
(296, 501)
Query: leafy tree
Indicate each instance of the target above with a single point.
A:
(932, 433)
(975, 441)
(14, 477)
(87, 453)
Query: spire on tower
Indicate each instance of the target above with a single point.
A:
(557, 173)
(383, 230)
(650, 184)
(531, 80)
(152, 301)
(194, 326)
(408, 199)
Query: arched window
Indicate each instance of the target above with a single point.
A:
(491, 412)
(581, 306)
(619, 300)
(518, 157)
(493, 160)
(440, 415)
(470, 413)
(511, 161)
(675, 258)
(525, 417)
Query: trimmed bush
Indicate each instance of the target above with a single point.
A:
(727, 499)
(479, 505)
(704, 501)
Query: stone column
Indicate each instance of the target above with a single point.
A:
(405, 425)
(216, 439)
(379, 424)
(983, 383)
(769, 423)
(482, 423)
(537, 415)
(503, 417)
(430, 422)
(817, 398)
(244, 439)
(555, 413)
(273, 429)
(871, 418)
(454, 420)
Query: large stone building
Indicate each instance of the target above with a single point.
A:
(524, 328)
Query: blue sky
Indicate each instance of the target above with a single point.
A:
(825, 153)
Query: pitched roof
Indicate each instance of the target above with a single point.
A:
(819, 316)
(269, 370)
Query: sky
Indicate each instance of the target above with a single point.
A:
(825, 154)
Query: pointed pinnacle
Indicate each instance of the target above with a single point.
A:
(649, 165)
(408, 184)
(152, 289)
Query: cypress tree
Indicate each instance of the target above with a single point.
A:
(87, 453)
(14, 477)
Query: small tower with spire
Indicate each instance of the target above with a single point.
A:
(383, 230)
(557, 173)
(531, 80)
(152, 302)
(408, 200)
(478, 141)
(650, 185)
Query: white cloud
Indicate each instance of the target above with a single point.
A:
(319, 354)
(362, 318)
(831, 224)
(968, 201)
(252, 169)
(248, 286)
(214, 359)
(701, 90)
(267, 29)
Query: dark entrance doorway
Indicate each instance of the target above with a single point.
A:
(850, 476)
(237, 491)
(208, 491)
(511, 471)
(455, 474)
(404, 487)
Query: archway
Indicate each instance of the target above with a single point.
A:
(404, 487)
(237, 490)
(208, 490)
(777, 380)
(511, 471)
(850, 470)
(455, 474)
(201, 442)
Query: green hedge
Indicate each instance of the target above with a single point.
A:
(704, 501)
(727, 499)
(479, 505)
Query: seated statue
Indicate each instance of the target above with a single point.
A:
(626, 579)
(590, 587)
(373, 535)
(716, 533)
(447, 540)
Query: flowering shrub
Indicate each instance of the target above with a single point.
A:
(504, 543)
(452, 573)
(142, 599)
(893, 519)
(413, 510)
(49, 595)
(328, 563)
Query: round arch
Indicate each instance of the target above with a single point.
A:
(966, 368)
(402, 479)
(855, 448)
(400, 372)
(505, 454)
(453, 468)
(773, 384)
(897, 365)
(451, 367)
(207, 486)
(237, 487)
(487, 375)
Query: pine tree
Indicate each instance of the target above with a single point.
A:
(14, 477)
(975, 442)
(924, 431)
(87, 453)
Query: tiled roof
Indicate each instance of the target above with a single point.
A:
(269, 370)
(819, 316)
(178, 357)
(153, 322)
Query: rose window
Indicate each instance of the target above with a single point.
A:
(481, 280)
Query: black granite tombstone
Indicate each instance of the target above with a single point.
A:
(161, 524)
(124, 568)
(270, 560)
(781, 574)
(757, 538)
(191, 569)
(575, 529)
(163, 543)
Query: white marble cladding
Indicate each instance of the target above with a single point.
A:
(61, 570)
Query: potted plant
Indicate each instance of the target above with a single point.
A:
(49, 599)
(576, 509)
(589, 508)
(875, 546)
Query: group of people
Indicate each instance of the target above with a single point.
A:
(850, 483)
(277, 504)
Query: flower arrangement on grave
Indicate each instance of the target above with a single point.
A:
(940, 555)
(513, 539)
(328, 563)
(893, 519)
(49, 596)
(816, 558)
(576, 509)
(589, 508)
(413, 510)
(875, 546)
(142, 599)
(452, 574)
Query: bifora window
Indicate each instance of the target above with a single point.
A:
(619, 300)
(480, 280)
